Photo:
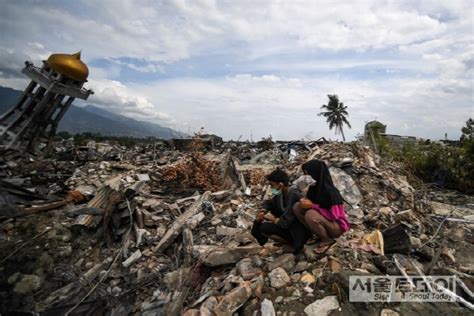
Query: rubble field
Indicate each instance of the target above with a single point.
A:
(159, 231)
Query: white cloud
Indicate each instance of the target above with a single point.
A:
(14, 83)
(288, 107)
(424, 48)
(113, 95)
(174, 30)
(146, 67)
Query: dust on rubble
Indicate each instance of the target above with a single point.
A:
(161, 231)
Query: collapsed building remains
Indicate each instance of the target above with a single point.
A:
(167, 233)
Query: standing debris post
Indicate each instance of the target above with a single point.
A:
(30, 125)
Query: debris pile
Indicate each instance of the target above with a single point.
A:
(168, 233)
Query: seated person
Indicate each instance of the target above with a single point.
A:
(322, 211)
(281, 224)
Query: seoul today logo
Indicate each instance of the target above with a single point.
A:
(402, 289)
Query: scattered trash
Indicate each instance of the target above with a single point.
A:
(372, 242)
(144, 232)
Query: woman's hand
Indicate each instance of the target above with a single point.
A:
(260, 217)
(306, 203)
(270, 218)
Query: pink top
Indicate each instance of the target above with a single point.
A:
(335, 214)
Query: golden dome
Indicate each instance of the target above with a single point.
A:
(68, 65)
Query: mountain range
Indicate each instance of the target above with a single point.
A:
(96, 120)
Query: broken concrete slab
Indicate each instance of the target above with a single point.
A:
(388, 312)
(322, 307)
(132, 259)
(285, 261)
(267, 308)
(444, 209)
(221, 195)
(405, 215)
(27, 284)
(247, 270)
(346, 185)
(143, 177)
(233, 300)
(208, 306)
(279, 278)
(227, 231)
(219, 255)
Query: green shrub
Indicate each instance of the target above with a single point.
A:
(424, 159)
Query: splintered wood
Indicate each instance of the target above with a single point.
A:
(180, 223)
(105, 200)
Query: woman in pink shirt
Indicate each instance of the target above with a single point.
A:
(322, 211)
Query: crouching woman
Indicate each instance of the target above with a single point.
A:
(322, 210)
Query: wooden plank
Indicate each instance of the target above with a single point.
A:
(178, 225)
(430, 266)
(66, 292)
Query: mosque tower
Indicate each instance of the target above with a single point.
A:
(31, 124)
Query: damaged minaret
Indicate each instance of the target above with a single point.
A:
(31, 124)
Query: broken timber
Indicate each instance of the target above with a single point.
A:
(105, 199)
(174, 305)
(73, 288)
(180, 222)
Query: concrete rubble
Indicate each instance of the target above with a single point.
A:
(164, 231)
(322, 307)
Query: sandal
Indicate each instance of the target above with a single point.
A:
(313, 240)
(325, 248)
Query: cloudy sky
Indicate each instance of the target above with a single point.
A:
(260, 68)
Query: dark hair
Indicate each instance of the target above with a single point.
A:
(279, 176)
(324, 192)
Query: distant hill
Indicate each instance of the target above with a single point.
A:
(96, 120)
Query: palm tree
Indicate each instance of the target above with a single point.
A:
(335, 114)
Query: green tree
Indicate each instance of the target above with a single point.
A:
(63, 135)
(336, 114)
(468, 131)
(424, 159)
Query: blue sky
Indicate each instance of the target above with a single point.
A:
(259, 67)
